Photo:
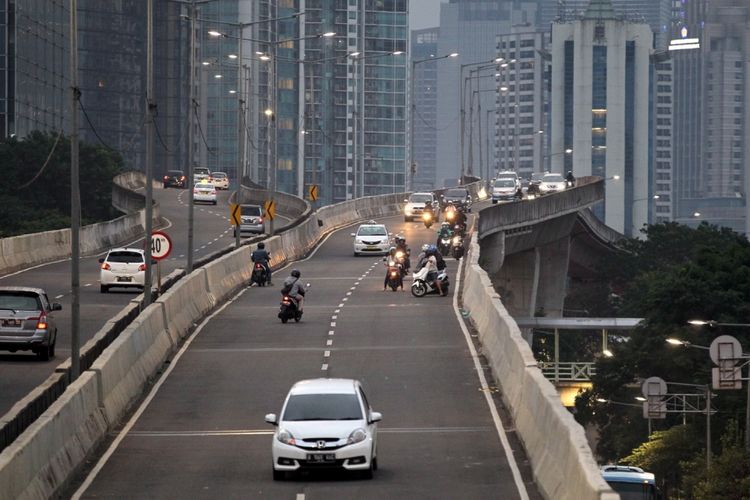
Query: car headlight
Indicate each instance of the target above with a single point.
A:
(357, 436)
(286, 437)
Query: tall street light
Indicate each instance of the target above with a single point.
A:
(462, 101)
(413, 167)
(75, 198)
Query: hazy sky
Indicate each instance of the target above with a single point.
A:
(424, 14)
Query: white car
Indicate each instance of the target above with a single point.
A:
(204, 192)
(509, 174)
(371, 238)
(552, 183)
(325, 423)
(125, 267)
(416, 203)
(201, 178)
(220, 180)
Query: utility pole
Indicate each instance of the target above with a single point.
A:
(150, 116)
(191, 125)
(75, 199)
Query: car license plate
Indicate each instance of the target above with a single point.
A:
(11, 322)
(124, 278)
(372, 247)
(320, 458)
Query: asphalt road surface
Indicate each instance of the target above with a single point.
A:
(20, 372)
(200, 432)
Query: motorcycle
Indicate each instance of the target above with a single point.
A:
(289, 309)
(444, 245)
(457, 247)
(259, 274)
(401, 259)
(395, 274)
(420, 287)
(427, 219)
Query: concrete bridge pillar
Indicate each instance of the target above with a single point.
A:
(534, 280)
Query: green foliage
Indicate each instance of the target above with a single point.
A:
(32, 203)
(676, 274)
(729, 476)
(665, 449)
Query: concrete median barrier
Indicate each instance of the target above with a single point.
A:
(562, 461)
(39, 462)
(185, 302)
(135, 356)
(28, 250)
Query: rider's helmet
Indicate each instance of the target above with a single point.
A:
(445, 225)
(296, 273)
(392, 250)
(432, 249)
(425, 247)
(261, 245)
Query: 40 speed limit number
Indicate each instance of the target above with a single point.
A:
(161, 245)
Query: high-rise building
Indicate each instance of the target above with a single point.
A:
(521, 106)
(470, 27)
(657, 13)
(601, 86)
(111, 73)
(710, 123)
(423, 48)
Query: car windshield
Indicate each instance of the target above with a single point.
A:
(420, 198)
(372, 231)
(253, 210)
(323, 407)
(505, 183)
(20, 301)
(553, 178)
(219, 175)
(201, 171)
(125, 257)
(175, 173)
(456, 193)
(537, 177)
(204, 185)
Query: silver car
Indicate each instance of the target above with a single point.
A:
(251, 220)
(27, 322)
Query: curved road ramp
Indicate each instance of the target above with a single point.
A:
(38, 463)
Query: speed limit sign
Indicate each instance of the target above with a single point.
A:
(161, 245)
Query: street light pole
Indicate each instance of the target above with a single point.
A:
(75, 199)
(150, 108)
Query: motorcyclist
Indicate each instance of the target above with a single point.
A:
(261, 256)
(422, 257)
(445, 231)
(432, 273)
(403, 247)
(460, 222)
(388, 258)
(569, 179)
(296, 288)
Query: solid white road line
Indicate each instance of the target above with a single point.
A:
(103, 460)
(487, 396)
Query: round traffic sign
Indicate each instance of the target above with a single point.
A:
(725, 348)
(161, 245)
(654, 387)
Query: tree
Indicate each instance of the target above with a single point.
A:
(729, 476)
(663, 452)
(33, 199)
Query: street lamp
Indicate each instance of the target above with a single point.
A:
(412, 170)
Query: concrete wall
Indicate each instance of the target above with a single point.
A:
(561, 459)
(20, 252)
(38, 463)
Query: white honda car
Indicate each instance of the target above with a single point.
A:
(204, 192)
(371, 238)
(122, 267)
(325, 423)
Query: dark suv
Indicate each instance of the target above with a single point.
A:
(459, 197)
(175, 178)
(27, 321)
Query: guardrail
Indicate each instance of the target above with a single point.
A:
(128, 351)
(503, 216)
(568, 371)
(18, 252)
(561, 459)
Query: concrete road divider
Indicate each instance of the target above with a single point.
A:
(36, 464)
(129, 363)
(187, 300)
(561, 459)
(28, 250)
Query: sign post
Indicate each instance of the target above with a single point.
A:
(235, 214)
(161, 247)
(269, 212)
